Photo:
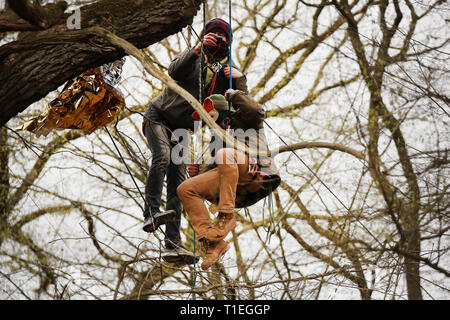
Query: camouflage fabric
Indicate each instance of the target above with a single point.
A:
(87, 102)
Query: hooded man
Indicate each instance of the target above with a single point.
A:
(236, 179)
(169, 111)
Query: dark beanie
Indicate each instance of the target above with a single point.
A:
(217, 24)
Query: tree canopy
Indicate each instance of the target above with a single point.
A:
(357, 106)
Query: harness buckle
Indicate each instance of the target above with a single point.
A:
(216, 67)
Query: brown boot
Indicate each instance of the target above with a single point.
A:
(219, 230)
(214, 251)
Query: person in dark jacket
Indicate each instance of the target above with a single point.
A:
(169, 111)
(236, 179)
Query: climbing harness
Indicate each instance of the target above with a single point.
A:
(215, 68)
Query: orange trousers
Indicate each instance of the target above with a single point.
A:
(217, 185)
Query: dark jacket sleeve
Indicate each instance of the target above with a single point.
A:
(241, 84)
(250, 112)
(182, 65)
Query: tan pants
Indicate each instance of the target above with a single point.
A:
(219, 183)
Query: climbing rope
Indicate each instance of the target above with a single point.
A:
(216, 68)
(200, 96)
(230, 40)
(195, 264)
(326, 187)
(123, 160)
(129, 172)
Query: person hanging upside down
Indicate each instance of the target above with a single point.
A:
(167, 112)
(234, 180)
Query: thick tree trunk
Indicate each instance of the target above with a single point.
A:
(411, 246)
(4, 184)
(41, 61)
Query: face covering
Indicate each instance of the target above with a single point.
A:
(219, 51)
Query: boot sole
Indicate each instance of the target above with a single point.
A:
(168, 218)
(159, 221)
(221, 254)
(151, 227)
(188, 259)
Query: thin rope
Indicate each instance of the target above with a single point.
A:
(55, 230)
(323, 183)
(134, 181)
(195, 266)
(128, 169)
(229, 51)
(200, 96)
(296, 155)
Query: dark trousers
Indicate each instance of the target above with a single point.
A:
(158, 137)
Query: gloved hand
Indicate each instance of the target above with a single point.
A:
(208, 40)
(229, 93)
(193, 169)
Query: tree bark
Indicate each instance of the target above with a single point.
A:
(41, 61)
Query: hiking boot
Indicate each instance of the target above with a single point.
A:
(149, 224)
(224, 224)
(214, 251)
(153, 223)
(178, 254)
